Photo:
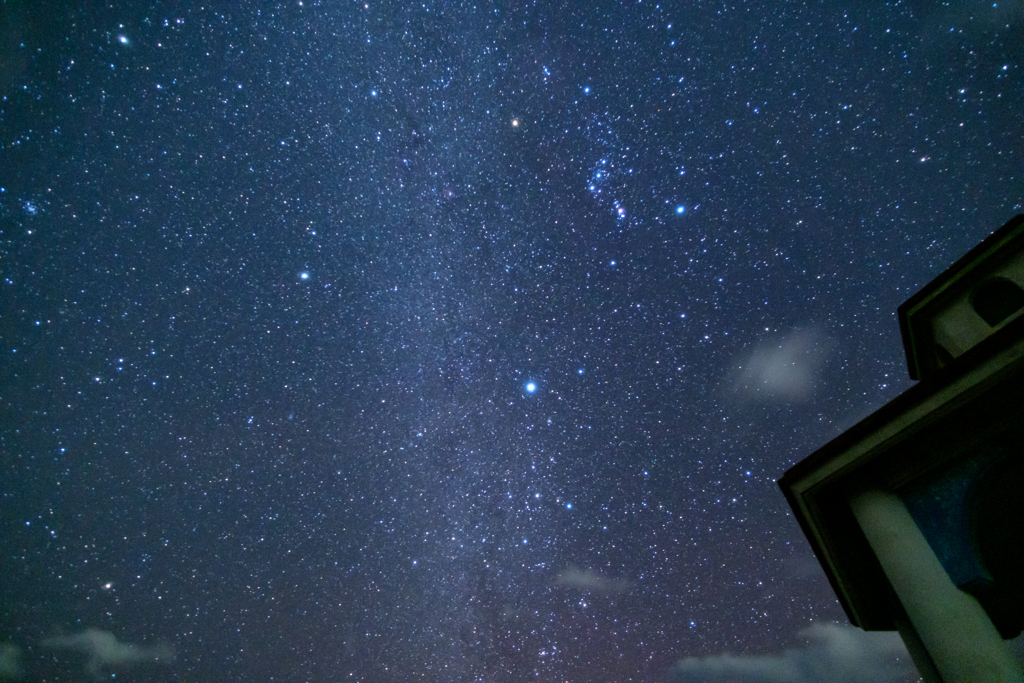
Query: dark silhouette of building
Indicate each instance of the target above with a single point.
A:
(917, 513)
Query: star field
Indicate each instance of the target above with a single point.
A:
(459, 342)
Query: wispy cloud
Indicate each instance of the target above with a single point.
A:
(104, 651)
(784, 369)
(834, 653)
(589, 581)
(10, 661)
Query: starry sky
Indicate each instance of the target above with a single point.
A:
(387, 341)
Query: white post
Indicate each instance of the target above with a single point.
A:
(951, 624)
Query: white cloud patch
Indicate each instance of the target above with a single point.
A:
(104, 651)
(10, 661)
(833, 654)
(784, 369)
(589, 581)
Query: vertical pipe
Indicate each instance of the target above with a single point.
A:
(952, 626)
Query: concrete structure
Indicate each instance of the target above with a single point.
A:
(917, 512)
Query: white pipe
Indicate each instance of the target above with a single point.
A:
(959, 636)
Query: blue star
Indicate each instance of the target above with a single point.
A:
(680, 209)
(531, 387)
(304, 275)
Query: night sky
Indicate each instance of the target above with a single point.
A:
(461, 342)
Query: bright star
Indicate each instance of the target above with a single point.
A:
(680, 209)
(304, 275)
(515, 123)
(123, 40)
(531, 387)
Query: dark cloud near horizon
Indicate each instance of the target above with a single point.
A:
(833, 654)
(103, 651)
